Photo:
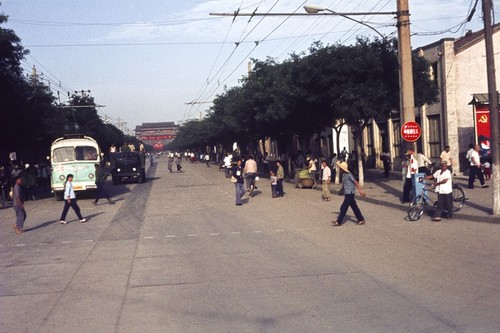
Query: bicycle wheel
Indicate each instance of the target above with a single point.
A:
(416, 208)
(458, 198)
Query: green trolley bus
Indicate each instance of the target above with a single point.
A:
(76, 155)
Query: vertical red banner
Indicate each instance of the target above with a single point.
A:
(483, 129)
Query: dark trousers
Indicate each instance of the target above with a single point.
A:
(349, 201)
(407, 190)
(444, 201)
(101, 192)
(72, 203)
(387, 169)
(473, 172)
(20, 217)
(280, 187)
(274, 190)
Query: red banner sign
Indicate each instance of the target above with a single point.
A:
(157, 137)
(483, 128)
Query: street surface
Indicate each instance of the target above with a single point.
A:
(176, 255)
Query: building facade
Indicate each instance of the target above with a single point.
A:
(157, 134)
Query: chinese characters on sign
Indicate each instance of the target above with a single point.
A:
(410, 131)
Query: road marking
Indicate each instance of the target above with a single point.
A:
(44, 243)
(148, 237)
(215, 234)
(192, 235)
(171, 236)
(20, 245)
(279, 230)
(257, 232)
(89, 240)
(236, 233)
(66, 242)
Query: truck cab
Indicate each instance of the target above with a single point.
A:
(128, 165)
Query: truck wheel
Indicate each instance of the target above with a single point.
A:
(59, 196)
(140, 179)
(143, 176)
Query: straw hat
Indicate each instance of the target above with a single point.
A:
(343, 166)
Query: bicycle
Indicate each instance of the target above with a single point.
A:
(418, 204)
(251, 178)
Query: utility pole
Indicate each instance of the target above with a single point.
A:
(493, 105)
(406, 97)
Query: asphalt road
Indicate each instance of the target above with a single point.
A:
(176, 255)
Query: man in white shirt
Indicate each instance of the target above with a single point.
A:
(444, 189)
(227, 164)
(250, 172)
(446, 157)
(326, 177)
(422, 162)
(475, 169)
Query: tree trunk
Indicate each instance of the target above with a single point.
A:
(357, 142)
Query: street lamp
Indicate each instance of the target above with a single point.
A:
(315, 9)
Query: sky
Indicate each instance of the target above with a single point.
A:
(145, 60)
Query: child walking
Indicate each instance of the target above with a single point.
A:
(70, 201)
(349, 184)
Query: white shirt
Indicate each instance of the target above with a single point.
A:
(327, 173)
(227, 161)
(422, 160)
(447, 187)
(469, 154)
(474, 159)
(412, 167)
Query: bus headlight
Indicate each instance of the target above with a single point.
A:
(118, 170)
(134, 169)
(61, 177)
(91, 176)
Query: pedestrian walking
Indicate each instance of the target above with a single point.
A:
(100, 179)
(178, 163)
(18, 197)
(444, 190)
(70, 201)
(280, 174)
(151, 159)
(207, 160)
(170, 163)
(326, 177)
(239, 182)
(475, 169)
(349, 184)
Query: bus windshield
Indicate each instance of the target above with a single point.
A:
(78, 153)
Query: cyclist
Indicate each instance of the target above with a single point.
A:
(250, 172)
(444, 189)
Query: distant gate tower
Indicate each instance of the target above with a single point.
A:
(156, 134)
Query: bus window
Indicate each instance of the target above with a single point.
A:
(64, 154)
(86, 153)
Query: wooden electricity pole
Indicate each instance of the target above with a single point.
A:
(407, 99)
(493, 105)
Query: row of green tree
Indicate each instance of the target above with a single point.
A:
(30, 118)
(329, 86)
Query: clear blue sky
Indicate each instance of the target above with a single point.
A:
(145, 59)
